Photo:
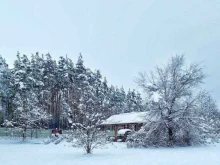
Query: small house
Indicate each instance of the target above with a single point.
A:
(133, 121)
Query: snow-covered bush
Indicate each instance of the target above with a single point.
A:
(152, 134)
(89, 137)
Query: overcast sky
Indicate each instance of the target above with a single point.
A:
(118, 37)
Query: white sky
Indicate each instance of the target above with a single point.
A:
(118, 37)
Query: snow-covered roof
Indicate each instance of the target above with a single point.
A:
(124, 118)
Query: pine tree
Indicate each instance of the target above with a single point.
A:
(28, 111)
(50, 92)
(5, 76)
(129, 102)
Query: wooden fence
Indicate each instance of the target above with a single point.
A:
(31, 133)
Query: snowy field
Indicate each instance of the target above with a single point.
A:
(13, 152)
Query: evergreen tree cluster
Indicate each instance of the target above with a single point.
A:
(41, 92)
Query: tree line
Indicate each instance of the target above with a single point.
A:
(40, 92)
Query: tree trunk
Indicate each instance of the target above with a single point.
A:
(88, 144)
(24, 134)
(88, 149)
(170, 133)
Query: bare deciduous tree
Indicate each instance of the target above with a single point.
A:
(174, 93)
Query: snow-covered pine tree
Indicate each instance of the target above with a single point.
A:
(106, 101)
(50, 91)
(132, 104)
(5, 75)
(28, 111)
(80, 82)
(122, 100)
(67, 87)
(129, 103)
(138, 102)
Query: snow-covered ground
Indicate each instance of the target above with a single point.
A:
(13, 152)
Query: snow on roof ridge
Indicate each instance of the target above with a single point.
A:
(123, 118)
